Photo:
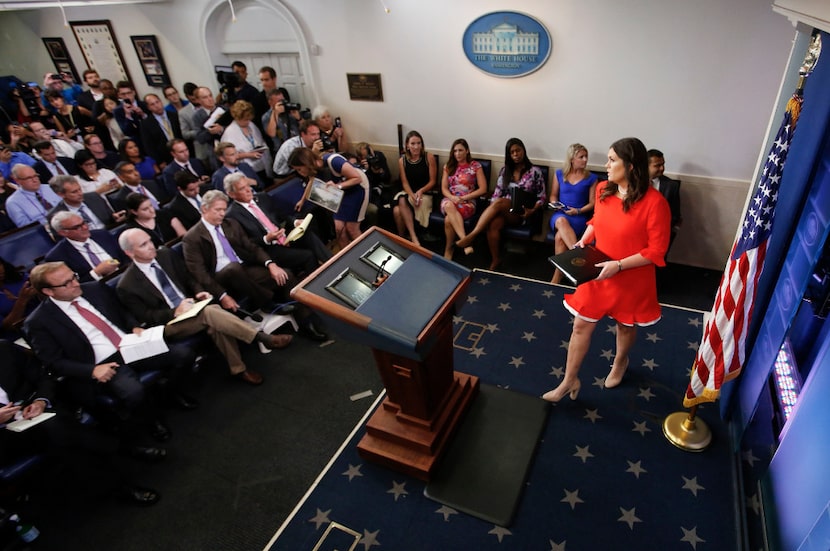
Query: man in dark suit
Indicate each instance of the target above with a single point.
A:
(93, 208)
(87, 98)
(24, 381)
(156, 288)
(225, 263)
(131, 111)
(77, 334)
(186, 203)
(206, 137)
(181, 161)
(50, 164)
(92, 254)
(258, 217)
(668, 187)
(133, 183)
(157, 129)
(229, 157)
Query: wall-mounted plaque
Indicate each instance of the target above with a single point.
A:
(101, 51)
(507, 44)
(365, 87)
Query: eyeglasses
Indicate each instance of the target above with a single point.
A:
(27, 178)
(66, 283)
(75, 227)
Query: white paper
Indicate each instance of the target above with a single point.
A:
(22, 424)
(149, 343)
(218, 112)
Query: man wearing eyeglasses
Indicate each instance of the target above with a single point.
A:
(93, 254)
(32, 200)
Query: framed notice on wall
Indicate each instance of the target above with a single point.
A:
(101, 51)
(149, 53)
(60, 57)
(364, 87)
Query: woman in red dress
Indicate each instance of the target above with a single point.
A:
(631, 225)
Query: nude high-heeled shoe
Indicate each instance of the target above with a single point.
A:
(559, 392)
(615, 377)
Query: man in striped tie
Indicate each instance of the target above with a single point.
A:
(92, 254)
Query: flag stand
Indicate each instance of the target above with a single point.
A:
(687, 432)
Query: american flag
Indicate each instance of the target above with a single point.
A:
(720, 356)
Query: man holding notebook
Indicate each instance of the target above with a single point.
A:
(260, 220)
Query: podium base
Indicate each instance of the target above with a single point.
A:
(415, 450)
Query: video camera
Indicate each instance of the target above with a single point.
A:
(25, 91)
(228, 82)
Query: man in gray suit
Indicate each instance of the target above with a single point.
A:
(93, 208)
(668, 187)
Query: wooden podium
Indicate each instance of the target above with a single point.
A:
(407, 321)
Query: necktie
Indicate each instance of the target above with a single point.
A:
(262, 218)
(226, 245)
(93, 258)
(100, 324)
(59, 169)
(43, 202)
(167, 130)
(84, 214)
(143, 191)
(166, 285)
(190, 168)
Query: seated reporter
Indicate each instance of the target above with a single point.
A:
(85, 457)
(261, 222)
(187, 201)
(92, 254)
(223, 261)
(77, 333)
(156, 288)
(93, 208)
(159, 224)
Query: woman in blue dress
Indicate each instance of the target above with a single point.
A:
(346, 177)
(129, 151)
(574, 187)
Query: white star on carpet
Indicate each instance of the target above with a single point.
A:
(557, 546)
(635, 468)
(446, 511)
(691, 485)
(695, 322)
(641, 428)
(572, 498)
(477, 352)
(484, 281)
(607, 354)
(472, 299)
(692, 346)
(691, 537)
(583, 453)
(539, 314)
(629, 517)
(504, 306)
(353, 471)
(749, 457)
(599, 381)
(517, 362)
(653, 338)
(650, 363)
(398, 490)
(492, 327)
(611, 329)
(321, 518)
(369, 539)
(528, 337)
(457, 319)
(500, 532)
(516, 287)
(548, 294)
(646, 393)
(558, 372)
(564, 344)
(592, 415)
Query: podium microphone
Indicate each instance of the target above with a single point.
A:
(379, 275)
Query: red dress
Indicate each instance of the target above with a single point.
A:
(630, 297)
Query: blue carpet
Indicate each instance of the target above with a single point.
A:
(604, 476)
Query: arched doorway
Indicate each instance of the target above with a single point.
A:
(264, 34)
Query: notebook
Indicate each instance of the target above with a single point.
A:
(578, 264)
